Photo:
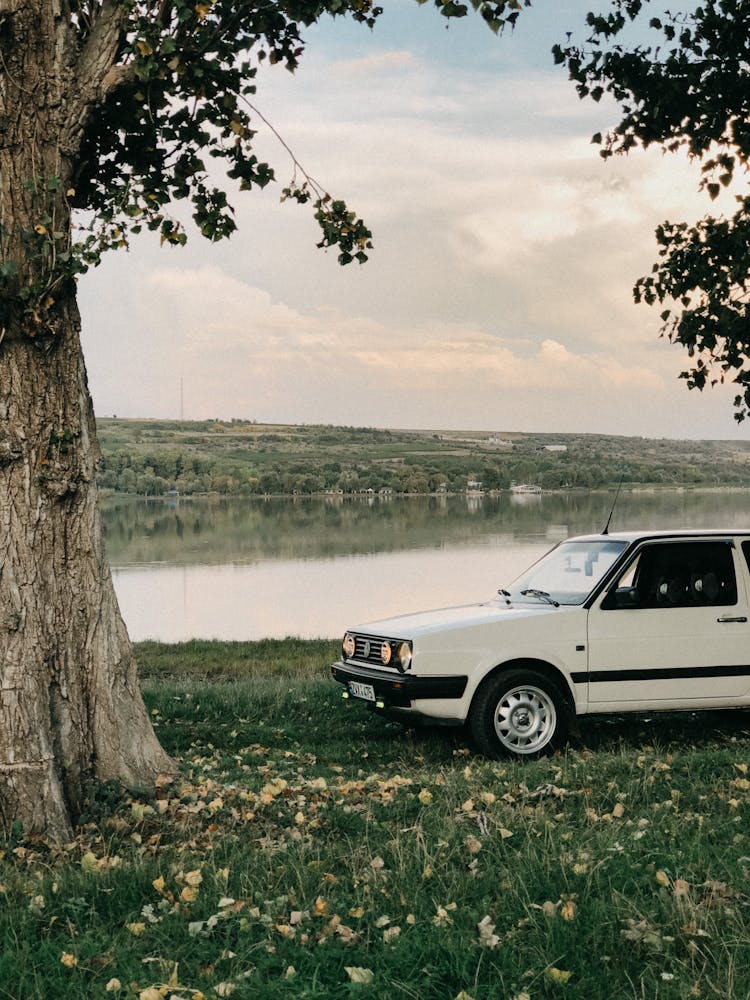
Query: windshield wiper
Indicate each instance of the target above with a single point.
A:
(506, 594)
(541, 594)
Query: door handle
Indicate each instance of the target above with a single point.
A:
(723, 621)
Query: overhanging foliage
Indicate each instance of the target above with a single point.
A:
(687, 89)
(181, 95)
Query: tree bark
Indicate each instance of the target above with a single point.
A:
(70, 706)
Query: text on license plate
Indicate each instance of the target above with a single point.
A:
(366, 691)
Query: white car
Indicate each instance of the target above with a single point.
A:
(621, 622)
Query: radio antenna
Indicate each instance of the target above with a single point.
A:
(617, 493)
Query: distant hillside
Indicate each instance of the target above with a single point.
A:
(152, 457)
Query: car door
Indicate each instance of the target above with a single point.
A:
(672, 629)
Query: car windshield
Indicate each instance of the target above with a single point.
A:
(567, 574)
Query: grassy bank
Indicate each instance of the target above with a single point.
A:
(310, 849)
(201, 659)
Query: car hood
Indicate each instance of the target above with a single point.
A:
(443, 619)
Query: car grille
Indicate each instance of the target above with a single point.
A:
(367, 650)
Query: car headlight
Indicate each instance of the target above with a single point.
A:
(403, 656)
(386, 652)
(348, 646)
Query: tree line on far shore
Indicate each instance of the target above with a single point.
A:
(238, 458)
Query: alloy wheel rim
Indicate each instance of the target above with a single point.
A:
(525, 719)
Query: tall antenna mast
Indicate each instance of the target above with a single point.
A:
(182, 400)
(619, 487)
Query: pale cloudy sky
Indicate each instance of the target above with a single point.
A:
(498, 295)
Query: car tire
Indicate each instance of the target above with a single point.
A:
(518, 713)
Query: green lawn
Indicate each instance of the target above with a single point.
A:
(312, 849)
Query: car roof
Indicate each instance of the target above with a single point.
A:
(637, 536)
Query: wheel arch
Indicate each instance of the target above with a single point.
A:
(542, 667)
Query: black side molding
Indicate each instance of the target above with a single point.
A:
(659, 674)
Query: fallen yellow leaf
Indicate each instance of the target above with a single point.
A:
(568, 911)
(473, 844)
(359, 975)
(558, 976)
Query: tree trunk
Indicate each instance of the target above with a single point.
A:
(70, 705)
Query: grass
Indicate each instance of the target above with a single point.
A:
(312, 849)
(215, 660)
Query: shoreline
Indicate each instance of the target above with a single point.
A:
(106, 494)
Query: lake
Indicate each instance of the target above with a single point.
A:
(250, 569)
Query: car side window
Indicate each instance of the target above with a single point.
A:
(677, 575)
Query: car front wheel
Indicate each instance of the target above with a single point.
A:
(519, 713)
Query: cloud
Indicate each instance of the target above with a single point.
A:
(375, 63)
(240, 352)
(238, 343)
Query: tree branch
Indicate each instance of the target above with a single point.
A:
(96, 74)
(116, 76)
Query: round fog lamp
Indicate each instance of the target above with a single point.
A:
(348, 646)
(386, 653)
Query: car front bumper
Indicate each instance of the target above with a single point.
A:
(399, 690)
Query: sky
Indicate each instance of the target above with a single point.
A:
(498, 295)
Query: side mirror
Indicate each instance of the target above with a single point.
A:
(626, 597)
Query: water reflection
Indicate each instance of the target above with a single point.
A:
(248, 569)
(308, 598)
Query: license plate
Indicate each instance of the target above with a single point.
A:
(366, 691)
